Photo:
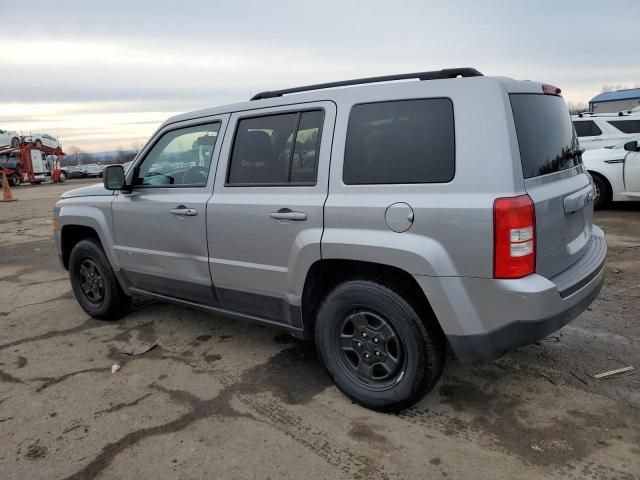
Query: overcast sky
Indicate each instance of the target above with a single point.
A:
(104, 74)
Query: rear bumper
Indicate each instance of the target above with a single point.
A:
(482, 318)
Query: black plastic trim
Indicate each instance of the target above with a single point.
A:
(295, 331)
(188, 291)
(489, 346)
(264, 306)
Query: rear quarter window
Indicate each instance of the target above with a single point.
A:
(403, 141)
(626, 126)
(546, 137)
(587, 128)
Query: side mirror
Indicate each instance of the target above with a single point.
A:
(113, 178)
(632, 146)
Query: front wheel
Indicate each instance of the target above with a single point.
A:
(38, 143)
(94, 284)
(62, 177)
(15, 142)
(14, 180)
(375, 346)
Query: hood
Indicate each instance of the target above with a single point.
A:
(88, 191)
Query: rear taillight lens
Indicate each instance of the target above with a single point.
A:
(551, 90)
(514, 237)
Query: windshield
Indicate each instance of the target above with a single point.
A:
(546, 137)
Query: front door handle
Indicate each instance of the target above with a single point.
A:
(288, 214)
(181, 210)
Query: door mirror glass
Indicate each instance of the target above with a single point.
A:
(113, 177)
(631, 146)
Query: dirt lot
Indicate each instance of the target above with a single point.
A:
(222, 399)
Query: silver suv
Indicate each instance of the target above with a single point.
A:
(383, 220)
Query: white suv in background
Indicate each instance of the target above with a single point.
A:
(604, 130)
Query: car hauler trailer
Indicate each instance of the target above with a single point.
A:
(27, 163)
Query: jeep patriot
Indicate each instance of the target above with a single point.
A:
(383, 218)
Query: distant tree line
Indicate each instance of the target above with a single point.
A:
(77, 156)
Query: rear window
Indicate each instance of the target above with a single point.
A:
(404, 141)
(546, 137)
(587, 128)
(627, 126)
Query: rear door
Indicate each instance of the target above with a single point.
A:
(555, 180)
(265, 218)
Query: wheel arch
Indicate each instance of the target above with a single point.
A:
(605, 179)
(92, 221)
(70, 235)
(326, 274)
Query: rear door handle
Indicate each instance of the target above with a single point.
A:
(181, 210)
(288, 214)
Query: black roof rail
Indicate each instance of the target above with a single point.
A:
(435, 75)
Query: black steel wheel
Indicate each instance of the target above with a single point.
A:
(378, 344)
(369, 349)
(91, 281)
(94, 283)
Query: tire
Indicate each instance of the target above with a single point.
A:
(15, 142)
(38, 143)
(14, 180)
(350, 319)
(63, 177)
(106, 300)
(603, 193)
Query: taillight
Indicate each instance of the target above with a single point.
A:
(514, 237)
(551, 90)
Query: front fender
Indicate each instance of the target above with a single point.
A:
(96, 216)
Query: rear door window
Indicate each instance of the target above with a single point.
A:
(587, 128)
(404, 141)
(626, 126)
(547, 140)
(279, 149)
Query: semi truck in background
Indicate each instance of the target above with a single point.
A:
(28, 164)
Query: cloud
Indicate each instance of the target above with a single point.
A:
(144, 59)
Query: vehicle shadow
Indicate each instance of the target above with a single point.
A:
(624, 207)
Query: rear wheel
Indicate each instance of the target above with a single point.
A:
(94, 284)
(15, 142)
(603, 193)
(375, 346)
(38, 143)
(62, 177)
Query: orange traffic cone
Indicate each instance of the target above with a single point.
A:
(7, 196)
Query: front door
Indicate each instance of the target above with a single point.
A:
(160, 226)
(632, 173)
(265, 217)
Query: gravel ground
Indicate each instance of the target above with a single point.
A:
(218, 398)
